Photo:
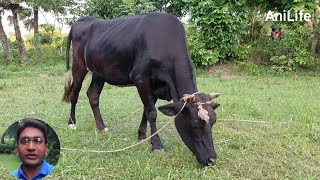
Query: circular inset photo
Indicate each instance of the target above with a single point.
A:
(30, 149)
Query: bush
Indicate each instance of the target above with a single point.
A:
(288, 54)
(219, 26)
(243, 52)
(48, 37)
(285, 63)
(201, 56)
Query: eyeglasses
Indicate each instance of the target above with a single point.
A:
(26, 140)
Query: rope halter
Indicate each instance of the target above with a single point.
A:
(202, 113)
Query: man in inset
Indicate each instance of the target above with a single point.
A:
(32, 148)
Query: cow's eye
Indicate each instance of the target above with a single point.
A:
(198, 123)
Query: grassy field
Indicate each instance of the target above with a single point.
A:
(267, 128)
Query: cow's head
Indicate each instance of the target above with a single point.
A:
(194, 121)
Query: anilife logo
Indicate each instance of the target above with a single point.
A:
(288, 16)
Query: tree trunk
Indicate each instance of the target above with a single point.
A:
(22, 48)
(5, 42)
(36, 21)
(314, 43)
(316, 28)
(2, 139)
(36, 29)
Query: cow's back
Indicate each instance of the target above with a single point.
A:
(164, 36)
(111, 48)
(123, 48)
(80, 29)
(128, 38)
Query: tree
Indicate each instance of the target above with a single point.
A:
(4, 41)
(219, 24)
(15, 8)
(316, 28)
(116, 8)
(55, 6)
(22, 48)
(176, 7)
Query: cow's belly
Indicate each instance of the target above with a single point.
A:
(114, 66)
(112, 76)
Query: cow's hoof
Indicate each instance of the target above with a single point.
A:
(158, 150)
(72, 126)
(105, 130)
(141, 136)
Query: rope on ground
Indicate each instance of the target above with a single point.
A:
(254, 121)
(123, 149)
(118, 150)
(140, 142)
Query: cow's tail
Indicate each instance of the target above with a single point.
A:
(69, 78)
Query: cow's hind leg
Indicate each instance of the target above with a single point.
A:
(93, 94)
(78, 73)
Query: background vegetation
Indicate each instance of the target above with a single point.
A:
(268, 126)
(223, 31)
(268, 123)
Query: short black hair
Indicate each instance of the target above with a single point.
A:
(35, 123)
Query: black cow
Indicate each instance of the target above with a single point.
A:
(149, 52)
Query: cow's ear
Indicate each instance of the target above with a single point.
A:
(171, 109)
(215, 105)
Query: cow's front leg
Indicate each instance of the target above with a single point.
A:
(93, 94)
(143, 127)
(150, 112)
(143, 124)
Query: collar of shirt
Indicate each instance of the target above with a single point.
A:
(45, 169)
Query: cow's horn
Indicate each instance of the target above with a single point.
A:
(214, 95)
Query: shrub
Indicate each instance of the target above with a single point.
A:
(285, 63)
(201, 56)
(218, 26)
(243, 52)
(48, 36)
(288, 54)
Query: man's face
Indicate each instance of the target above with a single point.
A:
(31, 147)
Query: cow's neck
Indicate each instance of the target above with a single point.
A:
(185, 80)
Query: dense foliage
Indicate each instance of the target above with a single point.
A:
(218, 26)
(116, 8)
(219, 31)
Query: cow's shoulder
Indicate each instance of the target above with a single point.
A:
(86, 19)
(162, 16)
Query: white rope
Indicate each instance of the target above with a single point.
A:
(185, 98)
(123, 149)
(118, 150)
(254, 121)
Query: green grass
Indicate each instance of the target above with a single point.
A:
(283, 144)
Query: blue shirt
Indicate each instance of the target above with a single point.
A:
(45, 169)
